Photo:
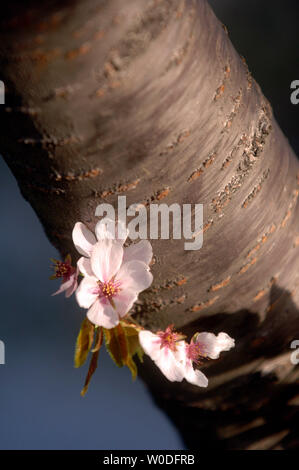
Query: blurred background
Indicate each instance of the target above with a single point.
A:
(40, 402)
(266, 34)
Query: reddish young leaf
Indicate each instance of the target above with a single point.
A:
(122, 343)
(84, 342)
(94, 360)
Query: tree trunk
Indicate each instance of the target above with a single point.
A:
(149, 99)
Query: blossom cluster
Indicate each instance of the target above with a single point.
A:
(113, 275)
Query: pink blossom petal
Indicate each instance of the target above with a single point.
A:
(151, 344)
(141, 251)
(170, 366)
(180, 351)
(107, 228)
(106, 259)
(103, 314)
(69, 286)
(74, 285)
(64, 286)
(213, 345)
(69, 292)
(83, 239)
(195, 377)
(84, 266)
(85, 294)
(164, 358)
(124, 301)
(135, 276)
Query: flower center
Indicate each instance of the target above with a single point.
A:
(168, 338)
(195, 351)
(109, 289)
(62, 269)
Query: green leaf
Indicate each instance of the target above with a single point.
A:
(84, 342)
(116, 346)
(122, 344)
(94, 360)
(99, 341)
(133, 340)
(130, 363)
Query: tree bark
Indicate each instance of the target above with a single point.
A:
(150, 100)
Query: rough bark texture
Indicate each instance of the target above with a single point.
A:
(150, 100)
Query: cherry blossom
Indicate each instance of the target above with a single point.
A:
(69, 275)
(162, 348)
(113, 278)
(84, 240)
(175, 358)
(202, 345)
